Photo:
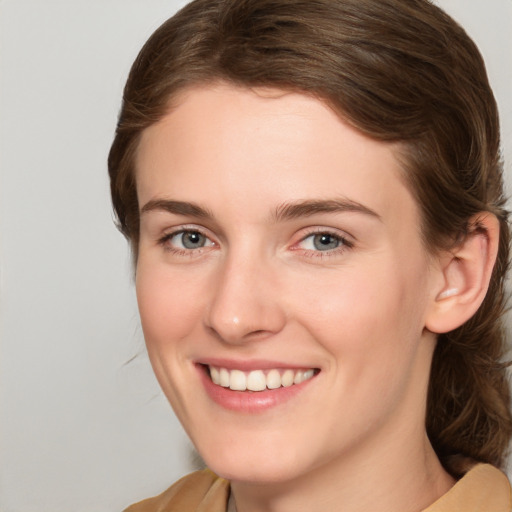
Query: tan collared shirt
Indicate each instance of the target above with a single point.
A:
(483, 489)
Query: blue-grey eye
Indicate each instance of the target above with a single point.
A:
(325, 242)
(322, 242)
(186, 240)
(192, 239)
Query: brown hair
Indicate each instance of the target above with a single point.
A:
(397, 70)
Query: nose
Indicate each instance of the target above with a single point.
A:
(245, 302)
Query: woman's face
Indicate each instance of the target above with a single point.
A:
(279, 245)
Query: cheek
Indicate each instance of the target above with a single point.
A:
(370, 324)
(169, 304)
(371, 312)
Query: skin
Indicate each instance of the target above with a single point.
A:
(259, 289)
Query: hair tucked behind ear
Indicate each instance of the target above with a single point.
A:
(468, 410)
(397, 70)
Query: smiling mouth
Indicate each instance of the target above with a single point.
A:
(258, 380)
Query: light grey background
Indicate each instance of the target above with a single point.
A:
(83, 424)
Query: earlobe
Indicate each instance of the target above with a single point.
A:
(465, 273)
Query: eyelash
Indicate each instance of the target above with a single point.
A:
(164, 242)
(310, 253)
(345, 244)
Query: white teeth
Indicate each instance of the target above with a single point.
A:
(308, 374)
(258, 380)
(237, 381)
(224, 378)
(287, 378)
(273, 379)
(215, 375)
(303, 375)
(299, 377)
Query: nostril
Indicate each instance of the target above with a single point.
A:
(260, 333)
(231, 336)
(237, 315)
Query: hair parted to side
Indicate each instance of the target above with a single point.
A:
(399, 71)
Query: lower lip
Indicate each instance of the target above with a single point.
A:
(250, 401)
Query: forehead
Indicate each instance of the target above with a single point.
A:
(226, 143)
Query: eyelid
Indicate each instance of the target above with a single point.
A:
(347, 241)
(169, 233)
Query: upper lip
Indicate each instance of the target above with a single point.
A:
(249, 365)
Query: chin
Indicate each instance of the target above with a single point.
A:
(247, 471)
(252, 464)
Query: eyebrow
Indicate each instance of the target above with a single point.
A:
(177, 207)
(289, 211)
(286, 211)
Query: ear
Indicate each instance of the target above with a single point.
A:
(463, 275)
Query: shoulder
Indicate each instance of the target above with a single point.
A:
(199, 489)
(482, 489)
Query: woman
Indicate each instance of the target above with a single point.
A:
(313, 194)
